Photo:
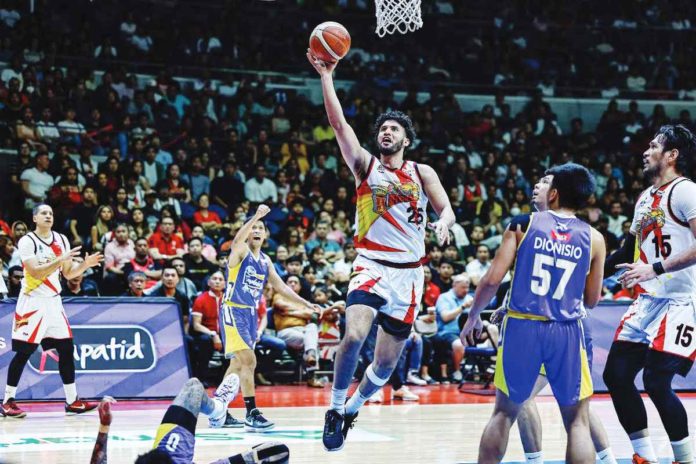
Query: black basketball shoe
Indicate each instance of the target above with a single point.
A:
(333, 431)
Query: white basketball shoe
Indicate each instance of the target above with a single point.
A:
(225, 392)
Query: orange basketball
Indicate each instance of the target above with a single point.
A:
(329, 41)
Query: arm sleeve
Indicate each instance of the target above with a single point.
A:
(625, 254)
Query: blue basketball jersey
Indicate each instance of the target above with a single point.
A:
(553, 260)
(177, 442)
(246, 281)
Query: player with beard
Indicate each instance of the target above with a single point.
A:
(390, 227)
(529, 421)
(657, 332)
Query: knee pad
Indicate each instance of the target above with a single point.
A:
(22, 356)
(65, 347)
(19, 346)
(657, 383)
(374, 378)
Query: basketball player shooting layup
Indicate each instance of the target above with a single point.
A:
(559, 269)
(39, 315)
(390, 239)
(657, 332)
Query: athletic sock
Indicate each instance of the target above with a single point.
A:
(10, 392)
(338, 399)
(643, 447)
(606, 456)
(250, 403)
(70, 393)
(534, 458)
(683, 450)
(355, 402)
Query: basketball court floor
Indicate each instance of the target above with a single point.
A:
(444, 427)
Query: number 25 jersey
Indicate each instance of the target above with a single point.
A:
(553, 260)
(661, 225)
(390, 214)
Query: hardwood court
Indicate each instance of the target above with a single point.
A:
(444, 428)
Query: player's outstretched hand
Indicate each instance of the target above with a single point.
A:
(442, 232)
(635, 273)
(473, 326)
(322, 67)
(94, 259)
(261, 211)
(71, 254)
(105, 410)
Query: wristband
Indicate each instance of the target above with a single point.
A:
(658, 268)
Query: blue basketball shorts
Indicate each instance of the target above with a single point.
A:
(528, 344)
(238, 329)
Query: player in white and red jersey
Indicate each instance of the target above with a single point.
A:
(387, 280)
(657, 332)
(39, 315)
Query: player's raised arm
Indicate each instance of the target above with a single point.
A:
(239, 243)
(593, 283)
(355, 155)
(441, 204)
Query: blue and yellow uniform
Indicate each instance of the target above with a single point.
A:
(245, 284)
(176, 434)
(545, 306)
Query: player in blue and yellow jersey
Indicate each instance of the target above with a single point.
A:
(559, 263)
(175, 439)
(249, 269)
(529, 420)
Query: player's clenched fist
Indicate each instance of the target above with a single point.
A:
(261, 211)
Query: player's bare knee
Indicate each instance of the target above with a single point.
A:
(353, 340)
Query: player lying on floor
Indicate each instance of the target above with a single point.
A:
(175, 439)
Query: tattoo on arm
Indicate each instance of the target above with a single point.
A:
(99, 451)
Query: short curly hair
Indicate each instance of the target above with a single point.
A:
(401, 118)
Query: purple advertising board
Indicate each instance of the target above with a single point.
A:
(604, 320)
(124, 348)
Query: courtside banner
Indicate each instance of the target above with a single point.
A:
(124, 347)
(604, 320)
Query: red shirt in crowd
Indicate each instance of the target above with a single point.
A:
(211, 216)
(165, 246)
(261, 310)
(207, 305)
(431, 294)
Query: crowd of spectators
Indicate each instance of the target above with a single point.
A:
(182, 166)
(582, 48)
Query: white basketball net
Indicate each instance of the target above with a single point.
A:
(398, 16)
